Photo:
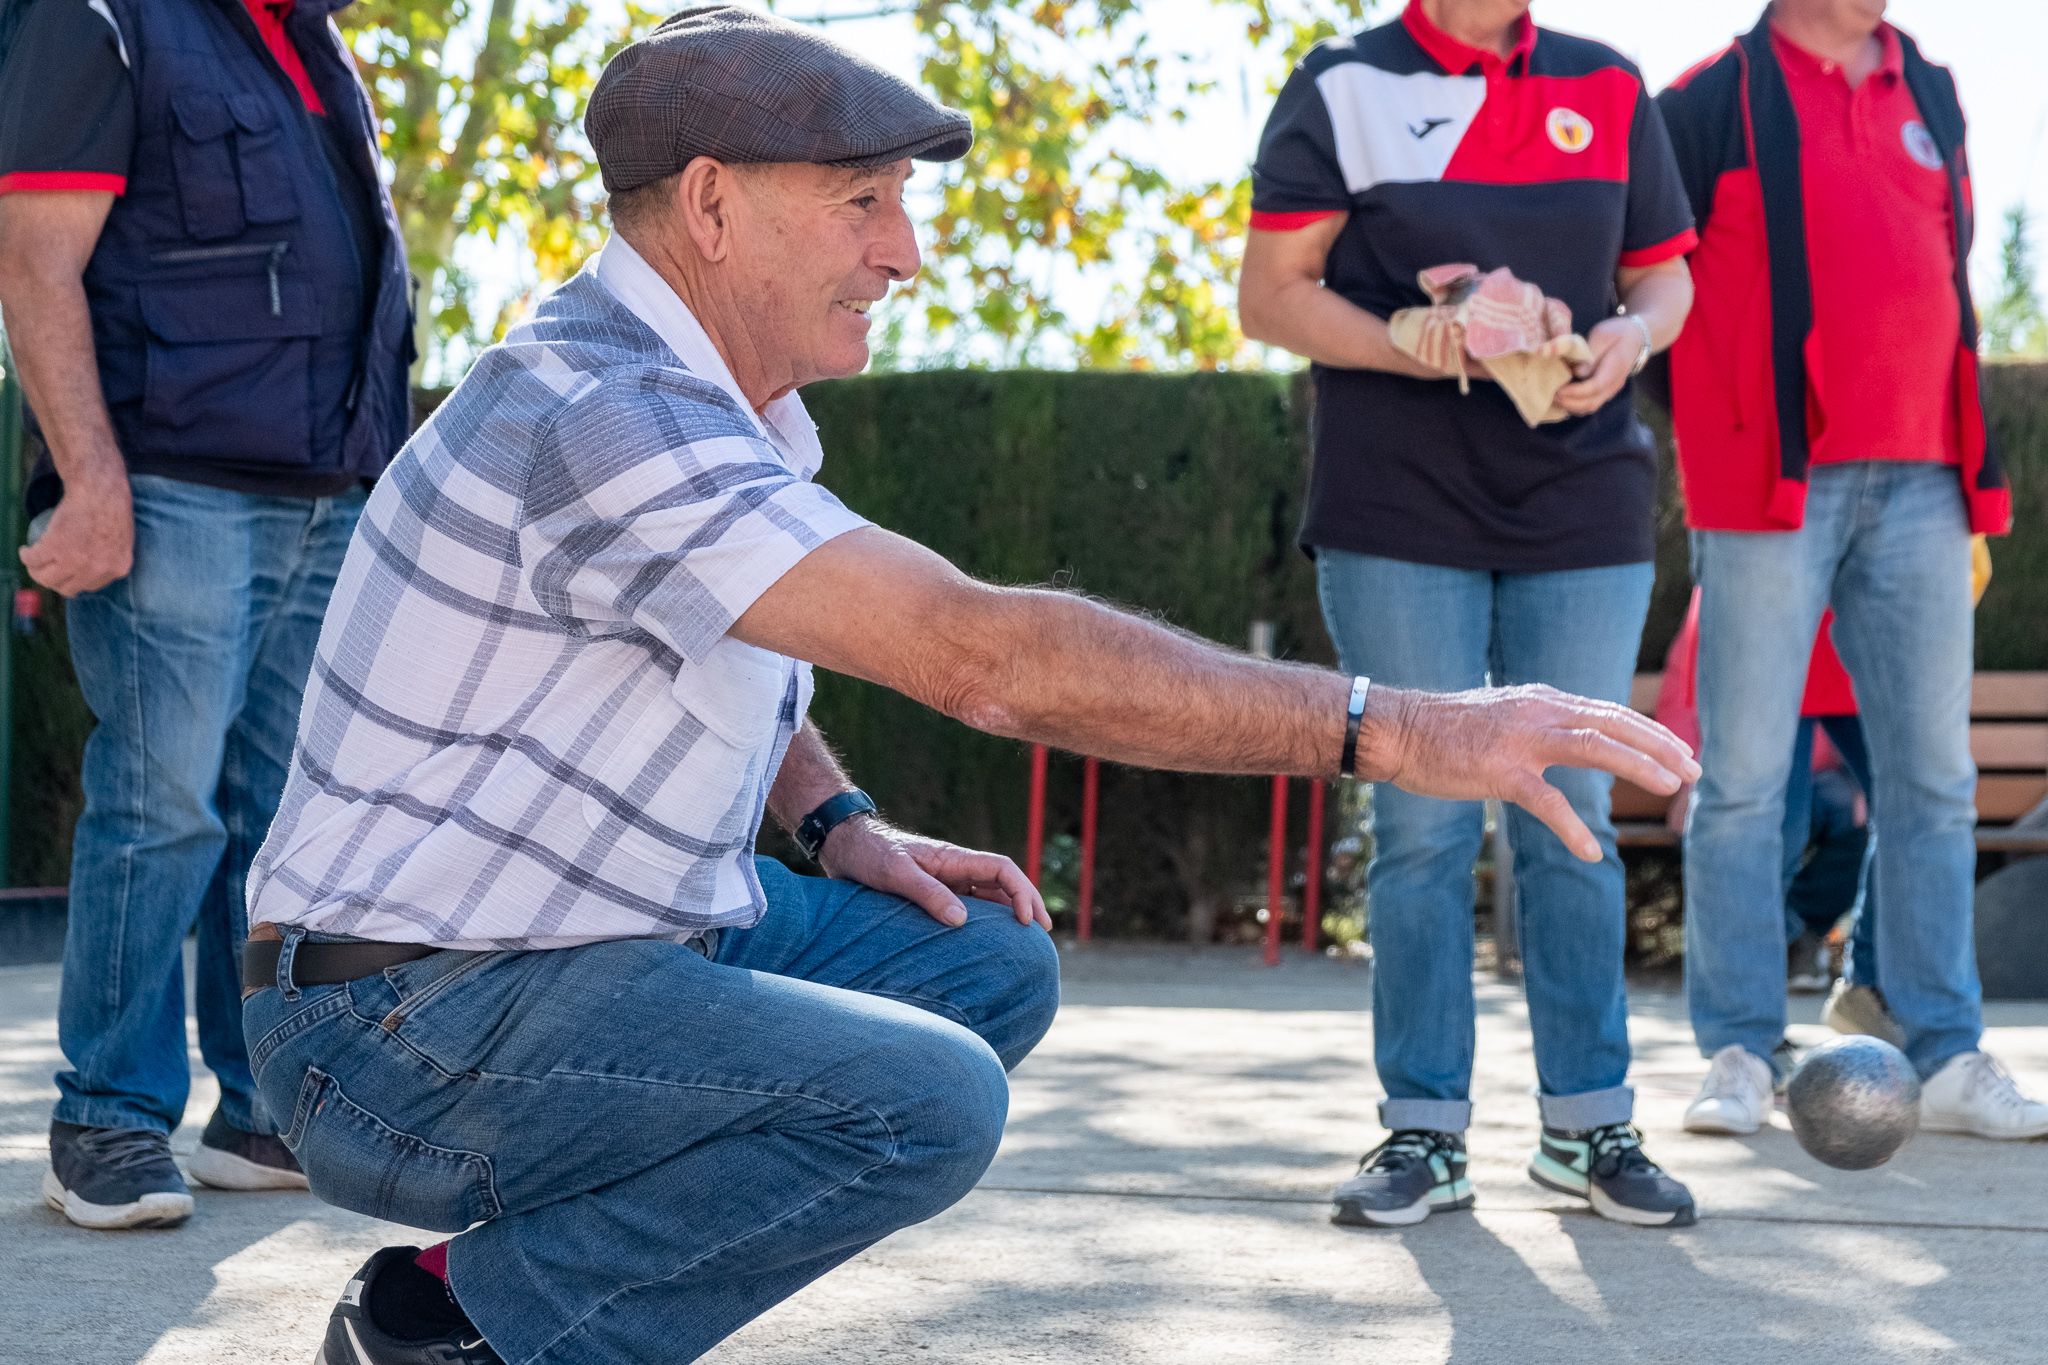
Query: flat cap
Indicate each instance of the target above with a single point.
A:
(734, 83)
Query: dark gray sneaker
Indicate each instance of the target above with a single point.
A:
(360, 1332)
(1606, 1167)
(229, 1158)
(115, 1178)
(1411, 1175)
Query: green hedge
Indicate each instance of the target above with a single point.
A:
(1177, 494)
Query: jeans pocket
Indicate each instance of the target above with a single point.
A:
(354, 1160)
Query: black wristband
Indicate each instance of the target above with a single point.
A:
(1354, 713)
(835, 811)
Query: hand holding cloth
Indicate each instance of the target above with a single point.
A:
(1524, 337)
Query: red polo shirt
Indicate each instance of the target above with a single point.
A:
(270, 16)
(1880, 241)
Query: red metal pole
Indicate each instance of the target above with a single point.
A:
(1034, 819)
(1091, 776)
(1312, 888)
(1276, 872)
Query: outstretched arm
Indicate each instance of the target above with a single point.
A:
(1060, 669)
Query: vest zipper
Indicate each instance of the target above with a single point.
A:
(274, 250)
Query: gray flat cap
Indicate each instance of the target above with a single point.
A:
(733, 83)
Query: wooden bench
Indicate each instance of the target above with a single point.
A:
(2008, 738)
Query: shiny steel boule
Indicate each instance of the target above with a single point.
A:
(1853, 1102)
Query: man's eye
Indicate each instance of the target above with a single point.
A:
(867, 201)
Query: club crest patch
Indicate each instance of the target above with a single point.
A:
(1920, 144)
(1570, 131)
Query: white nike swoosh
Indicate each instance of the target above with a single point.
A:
(355, 1343)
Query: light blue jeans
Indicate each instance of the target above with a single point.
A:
(1888, 545)
(655, 1147)
(1423, 625)
(193, 666)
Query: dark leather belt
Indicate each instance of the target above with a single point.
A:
(325, 964)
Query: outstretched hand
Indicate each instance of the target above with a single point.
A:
(930, 873)
(1497, 742)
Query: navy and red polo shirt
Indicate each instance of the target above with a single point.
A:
(1552, 162)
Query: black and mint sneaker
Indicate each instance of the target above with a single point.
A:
(1411, 1175)
(1606, 1167)
(394, 1313)
(115, 1178)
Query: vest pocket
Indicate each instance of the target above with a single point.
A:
(260, 164)
(229, 368)
(203, 162)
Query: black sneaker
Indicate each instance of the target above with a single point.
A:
(228, 1158)
(377, 1322)
(1606, 1167)
(115, 1178)
(1411, 1175)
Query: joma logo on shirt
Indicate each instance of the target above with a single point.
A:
(1570, 131)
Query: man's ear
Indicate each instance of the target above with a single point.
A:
(705, 195)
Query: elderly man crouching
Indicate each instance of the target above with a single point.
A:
(517, 969)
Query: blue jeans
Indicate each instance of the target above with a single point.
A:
(1423, 625)
(1820, 813)
(1888, 545)
(653, 1146)
(193, 666)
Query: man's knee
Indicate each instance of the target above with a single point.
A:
(949, 1122)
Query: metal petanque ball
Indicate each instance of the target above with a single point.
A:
(1853, 1102)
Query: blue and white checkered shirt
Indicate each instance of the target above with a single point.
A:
(526, 725)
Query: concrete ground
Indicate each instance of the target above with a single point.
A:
(1160, 1201)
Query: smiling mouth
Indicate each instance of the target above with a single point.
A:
(859, 306)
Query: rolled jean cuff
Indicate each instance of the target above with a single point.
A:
(1588, 1109)
(1436, 1116)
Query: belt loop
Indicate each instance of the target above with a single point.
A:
(293, 935)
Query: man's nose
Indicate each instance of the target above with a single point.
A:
(895, 251)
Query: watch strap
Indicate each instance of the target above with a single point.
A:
(834, 811)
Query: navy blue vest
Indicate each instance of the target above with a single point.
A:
(227, 296)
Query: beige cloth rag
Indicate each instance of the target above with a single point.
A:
(1525, 338)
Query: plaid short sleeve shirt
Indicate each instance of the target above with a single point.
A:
(526, 725)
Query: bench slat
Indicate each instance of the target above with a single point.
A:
(2022, 745)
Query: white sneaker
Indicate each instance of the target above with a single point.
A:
(1974, 1094)
(1735, 1099)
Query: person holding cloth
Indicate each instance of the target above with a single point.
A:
(1455, 541)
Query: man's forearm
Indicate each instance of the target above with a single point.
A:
(809, 777)
(1066, 671)
(49, 330)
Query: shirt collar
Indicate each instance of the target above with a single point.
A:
(784, 422)
(1457, 58)
(1891, 62)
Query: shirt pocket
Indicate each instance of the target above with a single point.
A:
(682, 783)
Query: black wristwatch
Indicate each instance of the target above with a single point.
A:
(836, 811)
